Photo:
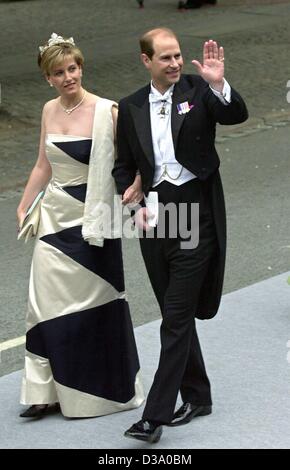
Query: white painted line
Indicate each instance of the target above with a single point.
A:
(12, 343)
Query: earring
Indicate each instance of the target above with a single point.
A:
(51, 85)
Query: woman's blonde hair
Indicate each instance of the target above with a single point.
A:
(56, 54)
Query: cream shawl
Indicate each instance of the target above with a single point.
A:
(103, 209)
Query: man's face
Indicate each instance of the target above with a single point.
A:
(166, 64)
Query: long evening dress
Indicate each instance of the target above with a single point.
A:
(80, 346)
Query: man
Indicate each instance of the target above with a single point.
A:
(166, 131)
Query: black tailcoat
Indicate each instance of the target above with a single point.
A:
(194, 143)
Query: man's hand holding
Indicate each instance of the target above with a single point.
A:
(141, 219)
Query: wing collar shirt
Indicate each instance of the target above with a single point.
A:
(167, 167)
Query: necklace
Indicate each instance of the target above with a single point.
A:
(70, 110)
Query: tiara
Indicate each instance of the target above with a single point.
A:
(53, 40)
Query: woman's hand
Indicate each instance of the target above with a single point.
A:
(20, 217)
(133, 194)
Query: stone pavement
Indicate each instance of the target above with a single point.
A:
(245, 349)
(254, 35)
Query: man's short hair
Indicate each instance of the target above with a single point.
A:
(146, 40)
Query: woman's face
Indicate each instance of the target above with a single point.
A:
(66, 77)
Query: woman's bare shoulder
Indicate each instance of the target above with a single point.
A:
(50, 105)
(92, 98)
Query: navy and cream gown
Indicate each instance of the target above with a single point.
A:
(80, 346)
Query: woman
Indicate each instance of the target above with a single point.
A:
(81, 355)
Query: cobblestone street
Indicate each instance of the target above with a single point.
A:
(254, 34)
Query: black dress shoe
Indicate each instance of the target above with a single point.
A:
(145, 431)
(187, 412)
(35, 411)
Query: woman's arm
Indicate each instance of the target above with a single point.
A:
(134, 193)
(39, 176)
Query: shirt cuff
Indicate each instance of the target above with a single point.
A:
(225, 96)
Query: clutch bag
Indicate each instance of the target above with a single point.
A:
(30, 224)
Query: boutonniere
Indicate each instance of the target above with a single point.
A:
(184, 108)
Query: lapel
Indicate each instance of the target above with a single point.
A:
(140, 113)
(141, 117)
(179, 96)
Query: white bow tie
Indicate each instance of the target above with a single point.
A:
(160, 99)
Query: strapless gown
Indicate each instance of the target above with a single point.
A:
(80, 346)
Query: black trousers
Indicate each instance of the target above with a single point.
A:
(176, 276)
